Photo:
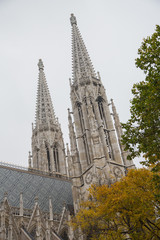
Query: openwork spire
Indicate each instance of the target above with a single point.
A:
(82, 65)
(44, 111)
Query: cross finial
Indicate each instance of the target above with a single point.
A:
(73, 19)
(40, 64)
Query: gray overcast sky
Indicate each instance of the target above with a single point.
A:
(112, 30)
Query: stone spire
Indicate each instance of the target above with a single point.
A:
(82, 65)
(47, 139)
(44, 109)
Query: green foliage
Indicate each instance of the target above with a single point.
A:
(128, 209)
(142, 131)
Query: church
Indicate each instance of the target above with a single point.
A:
(38, 201)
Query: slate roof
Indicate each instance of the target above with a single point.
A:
(14, 181)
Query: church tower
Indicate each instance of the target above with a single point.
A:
(47, 140)
(95, 154)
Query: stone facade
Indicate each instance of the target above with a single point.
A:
(95, 155)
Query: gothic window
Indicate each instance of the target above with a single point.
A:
(48, 158)
(56, 157)
(37, 158)
(106, 131)
(101, 110)
(83, 133)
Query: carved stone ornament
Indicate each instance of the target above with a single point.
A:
(117, 172)
(103, 178)
(88, 178)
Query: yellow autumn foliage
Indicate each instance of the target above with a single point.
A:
(128, 209)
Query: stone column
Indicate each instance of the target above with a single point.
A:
(69, 161)
(3, 228)
(50, 212)
(10, 228)
(70, 230)
(47, 233)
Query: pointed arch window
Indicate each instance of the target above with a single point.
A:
(85, 142)
(48, 158)
(56, 157)
(106, 131)
(37, 158)
(101, 110)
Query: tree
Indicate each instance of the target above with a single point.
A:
(127, 209)
(142, 131)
